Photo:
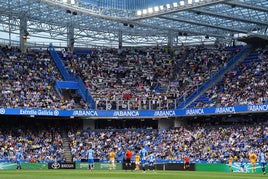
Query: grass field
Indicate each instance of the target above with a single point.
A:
(100, 174)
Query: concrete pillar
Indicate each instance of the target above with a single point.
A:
(171, 37)
(176, 40)
(120, 39)
(24, 34)
(70, 37)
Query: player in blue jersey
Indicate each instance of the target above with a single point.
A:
(143, 155)
(90, 157)
(262, 160)
(151, 159)
(19, 157)
(242, 164)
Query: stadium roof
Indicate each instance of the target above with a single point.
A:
(141, 22)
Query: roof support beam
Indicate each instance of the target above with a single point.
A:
(229, 17)
(204, 24)
(246, 6)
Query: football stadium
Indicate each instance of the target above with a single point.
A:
(133, 89)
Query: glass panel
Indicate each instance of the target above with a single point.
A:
(130, 4)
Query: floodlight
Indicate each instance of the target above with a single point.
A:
(156, 8)
(175, 4)
(196, 1)
(182, 3)
(139, 12)
(144, 11)
(150, 10)
(64, 1)
(190, 1)
(168, 6)
(161, 7)
(72, 2)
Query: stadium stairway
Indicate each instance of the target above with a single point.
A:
(70, 78)
(241, 55)
(66, 147)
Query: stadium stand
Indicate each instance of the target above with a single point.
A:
(28, 81)
(203, 140)
(39, 141)
(243, 85)
(132, 79)
(114, 75)
(146, 79)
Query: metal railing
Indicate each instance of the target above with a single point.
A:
(136, 104)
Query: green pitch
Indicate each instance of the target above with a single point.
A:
(101, 174)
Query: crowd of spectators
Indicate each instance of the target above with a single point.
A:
(139, 78)
(36, 142)
(202, 142)
(28, 80)
(151, 78)
(213, 144)
(105, 140)
(209, 141)
(244, 85)
(146, 78)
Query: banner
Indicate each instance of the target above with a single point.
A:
(119, 166)
(62, 165)
(98, 166)
(225, 167)
(174, 166)
(135, 113)
(24, 166)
